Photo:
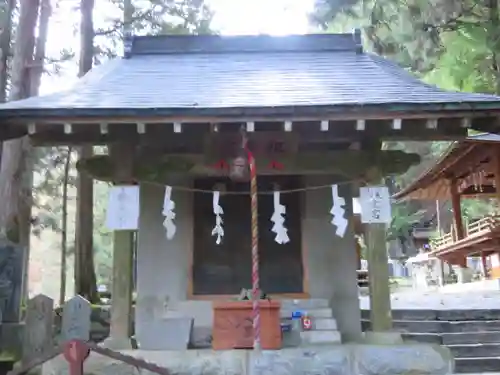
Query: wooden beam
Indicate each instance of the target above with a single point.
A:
(347, 164)
(340, 131)
(489, 116)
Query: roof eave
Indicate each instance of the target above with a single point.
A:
(437, 171)
(418, 183)
(309, 111)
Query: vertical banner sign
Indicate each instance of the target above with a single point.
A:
(123, 208)
(375, 205)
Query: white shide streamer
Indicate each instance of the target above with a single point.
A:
(218, 230)
(338, 212)
(279, 220)
(168, 212)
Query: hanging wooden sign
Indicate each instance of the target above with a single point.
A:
(375, 204)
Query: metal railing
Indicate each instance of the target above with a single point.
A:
(472, 229)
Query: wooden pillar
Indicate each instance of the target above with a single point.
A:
(457, 216)
(457, 210)
(484, 264)
(495, 165)
(121, 291)
(358, 254)
(378, 270)
(495, 162)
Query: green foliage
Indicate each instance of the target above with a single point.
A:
(403, 220)
(149, 17)
(466, 65)
(153, 17)
(451, 44)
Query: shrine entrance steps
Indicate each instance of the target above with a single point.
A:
(323, 325)
(472, 336)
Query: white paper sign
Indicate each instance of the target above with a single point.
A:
(375, 204)
(123, 208)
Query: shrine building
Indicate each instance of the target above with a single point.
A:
(314, 111)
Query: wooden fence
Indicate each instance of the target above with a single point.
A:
(475, 228)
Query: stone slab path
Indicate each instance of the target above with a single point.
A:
(435, 300)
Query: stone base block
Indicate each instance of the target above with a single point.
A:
(172, 333)
(414, 359)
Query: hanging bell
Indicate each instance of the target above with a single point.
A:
(239, 169)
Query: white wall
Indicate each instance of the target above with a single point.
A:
(163, 266)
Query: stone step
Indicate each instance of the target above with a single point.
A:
(411, 326)
(475, 350)
(429, 326)
(325, 312)
(406, 314)
(424, 338)
(471, 338)
(472, 326)
(320, 337)
(324, 324)
(476, 365)
(304, 304)
(441, 315)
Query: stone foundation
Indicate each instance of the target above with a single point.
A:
(414, 359)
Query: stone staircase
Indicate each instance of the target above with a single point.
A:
(324, 326)
(473, 336)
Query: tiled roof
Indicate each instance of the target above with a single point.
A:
(247, 72)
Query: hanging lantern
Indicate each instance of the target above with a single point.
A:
(239, 168)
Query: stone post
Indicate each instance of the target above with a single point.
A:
(121, 290)
(378, 276)
(37, 340)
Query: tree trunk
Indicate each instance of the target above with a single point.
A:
(40, 46)
(5, 40)
(85, 277)
(15, 172)
(64, 229)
